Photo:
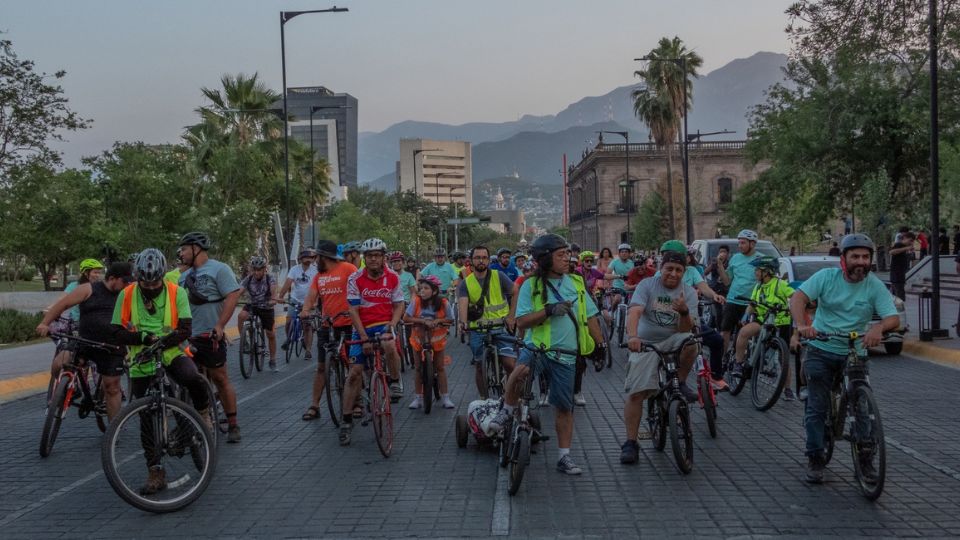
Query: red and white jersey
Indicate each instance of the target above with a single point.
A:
(375, 297)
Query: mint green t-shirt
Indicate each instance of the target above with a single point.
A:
(620, 268)
(742, 277)
(845, 307)
(406, 281)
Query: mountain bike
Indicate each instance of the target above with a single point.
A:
(706, 395)
(376, 399)
(493, 371)
(765, 361)
(855, 417)
(78, 384)
(168, 434)
(430, 384)
(253, 343)
(295, 345)
(599, 296)
(667, 409)
(619, 320)
(336, 362)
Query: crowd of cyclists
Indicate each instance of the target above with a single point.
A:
(554, 296)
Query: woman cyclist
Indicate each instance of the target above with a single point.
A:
(429, 309)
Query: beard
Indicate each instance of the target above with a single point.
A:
(480, 267)
(857, 273)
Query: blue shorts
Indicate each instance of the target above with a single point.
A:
(356, 351)
(476, 345)
(561, 377)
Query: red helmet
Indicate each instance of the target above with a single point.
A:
(434, 281)
(395, 256)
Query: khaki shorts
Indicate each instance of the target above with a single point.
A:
(643, 375)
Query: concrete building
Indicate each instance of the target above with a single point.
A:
(439, 171)
(333, 118)
(599, 207)
(505, 220)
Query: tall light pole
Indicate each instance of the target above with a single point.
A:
(284, 17)
(437, 186)
(935, 329)
(416, 153)
(456, 217)
(626, 153)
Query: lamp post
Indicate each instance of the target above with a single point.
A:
(456, 217)
(935, 330)
(313, 209)
(626, 153)
(628, 186)
(415, 154)
(686, 181)
(437, 190)
(596, 210)
(284, 17)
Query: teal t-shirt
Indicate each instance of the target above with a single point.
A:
(444, 272)
(213, 281)
(691, 276)
(74, 312)
(563, 333)
(406, 281)
(845, 307)
(620, 268)
(742, 278)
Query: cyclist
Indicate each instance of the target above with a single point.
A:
(173, 276)
(260, 287)
(95, 300)
(519, 260)
(408, 283)
(413, 267)
(847, 297)
(91, 271)
(738, 275)
(442, 269)
(213, 292)
(771, 290)
(575, 250)
(485, 297)
(145, 311)
(504, 265)
(429, 308)
(457, 263)
(298, 284)
(328, 291)
(376, 306)
(351, 253)
(558, 311)
(618, 269)
(592, 276)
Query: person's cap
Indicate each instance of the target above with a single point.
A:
(328, 249)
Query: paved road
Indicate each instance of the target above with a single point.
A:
(290, 478)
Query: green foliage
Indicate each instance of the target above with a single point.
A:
(652, 225)
(16, 326)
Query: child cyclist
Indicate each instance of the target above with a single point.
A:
(429, 308)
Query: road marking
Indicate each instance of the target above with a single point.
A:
(500, 524)
(67, 489)
(922, 458)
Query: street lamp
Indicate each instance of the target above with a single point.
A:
(626, 139)
(935, 330)
(415, 154)
(437, 190)
(284, 17)
(456, 217)
(313, 209)
(628, 186)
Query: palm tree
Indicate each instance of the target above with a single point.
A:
(242, 110)
(656, 111)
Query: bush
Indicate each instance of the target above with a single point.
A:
(16, 326)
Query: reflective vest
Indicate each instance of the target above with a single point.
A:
(130, 317)
(541, 333)
(496, 307)
(438, 336)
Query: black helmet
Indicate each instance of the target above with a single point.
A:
(575, 247)
(458, 255)
(857, 240)
(547, 244)
(257, 262)
(151, 265)
(198, 239)
(503, 250)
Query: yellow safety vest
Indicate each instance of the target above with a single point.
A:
(541, 333)
(496, 307)
(130, 316)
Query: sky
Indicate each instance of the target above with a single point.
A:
(135, 67)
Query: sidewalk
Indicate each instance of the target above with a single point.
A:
(941, 351)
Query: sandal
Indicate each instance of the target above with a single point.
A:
(312, 414)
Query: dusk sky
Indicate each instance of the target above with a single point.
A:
(136, 67)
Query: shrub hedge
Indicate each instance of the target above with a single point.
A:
(16, 326)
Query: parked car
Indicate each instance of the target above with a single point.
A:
(799, 268)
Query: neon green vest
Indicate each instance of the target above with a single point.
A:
(134, 305)
(496, 306)
(541, 333)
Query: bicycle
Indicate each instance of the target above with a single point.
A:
(430, 383)
(164, 430)
(494, 373)
(76, 377)
(253, 344)
(336, 362)
(855, 417)
(706, 395)
(618, 322)
(295, 345)
(377, 397)
(668, 408)
(599, 298)
(218, 417)
(765, 363)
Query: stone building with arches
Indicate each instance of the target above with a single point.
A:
(601, 203)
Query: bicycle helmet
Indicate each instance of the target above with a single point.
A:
(547, 244)
(457, 255)
(433, 281)
(257, 262)
(677, 257)
(351, 246)
(395, 256)
(151, 265)
(307, 252)
(587, 255)
(575, 247)
(373, 244)
(857, 240)
(673, 245)
(440, 252)
(132, 258)
(199, 239)
(503, 250)
(90, 264)
(529, 265)
(770, 264)
(747, 234)
(624, 246)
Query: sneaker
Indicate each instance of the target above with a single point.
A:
(815, 468)
(285, 346)
(629, 452)
(567, 466)
(308, 356)
(720, 385)
(416, 403)
(688, 393)
(233, 434)
(578, 400)
(737, 369)
(803, 394)
(500, 420)
(396, 391)
(446, 403)
(207, 418)
(544, 398)
(156, 481)
(345, 429)
(273, 366)
(788, 395)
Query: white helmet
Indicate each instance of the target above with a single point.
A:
(624, 246)
(373, 244)
(747, 234)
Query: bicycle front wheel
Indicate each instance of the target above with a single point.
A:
(735, 381)
(56, 410)
(681, 435)
(335, 381)
(382, 416)
(867, 446)
(657, 423)
(621, 322)
(261, 349)
(247, 351)
(158, 456)
(426, 380)
(519, 460)
(707, 398)
(769, 375)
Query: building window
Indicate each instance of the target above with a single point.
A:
(724, 191)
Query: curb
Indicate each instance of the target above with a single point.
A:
(932, 353)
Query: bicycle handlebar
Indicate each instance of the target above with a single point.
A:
(755, 303)
(88, 342)
(376, 339)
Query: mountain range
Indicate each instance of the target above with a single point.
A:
(533, 145)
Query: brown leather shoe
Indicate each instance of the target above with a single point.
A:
(156, 481)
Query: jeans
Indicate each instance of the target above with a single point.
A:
(476, 345)
(821, 368)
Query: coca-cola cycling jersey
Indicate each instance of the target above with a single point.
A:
(375, 297)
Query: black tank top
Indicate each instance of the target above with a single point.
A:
(96, 313)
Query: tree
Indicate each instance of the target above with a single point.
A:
(32, 112)
(652, 228)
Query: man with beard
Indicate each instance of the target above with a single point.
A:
(847, 297)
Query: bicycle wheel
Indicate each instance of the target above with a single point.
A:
(707, 398)
(462, 430)
(770, 374)
(735, 381)
(681, 435)
(487, 361)
(382, 417)
(867, 446)
(291, 342)
(834, 428)
(99, 402)
(173, 438)
(426, 379)
(298, 344)
(657, 423)
(335, 381)
(519, 460)
(493, 374)
(247, 350)
(260, 340)
(621, 322)
(504, 448)
(59, 403)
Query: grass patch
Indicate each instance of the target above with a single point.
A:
(21, 286)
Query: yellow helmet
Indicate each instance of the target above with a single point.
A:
(90, 264)
(587, 255)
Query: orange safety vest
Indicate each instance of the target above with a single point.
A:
(438, 336)
(126, 310)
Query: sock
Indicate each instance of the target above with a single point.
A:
(348, 418)
(563, 452)
(232, 419)
(508, 408)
